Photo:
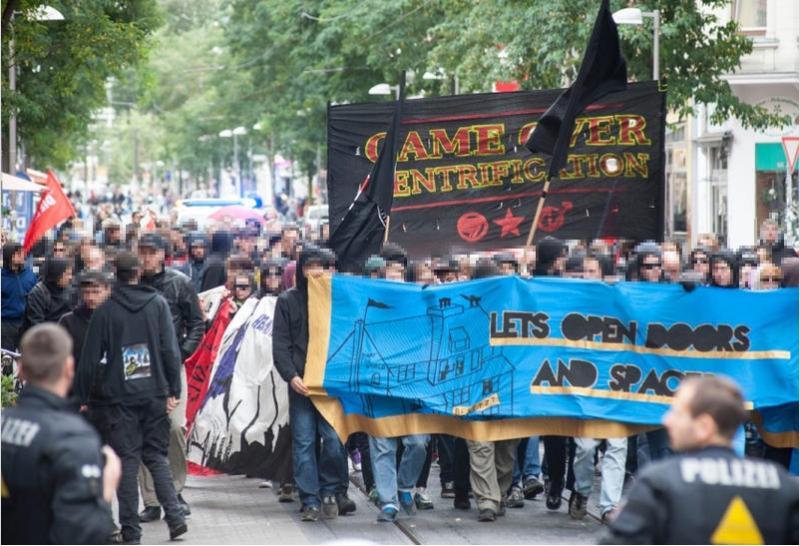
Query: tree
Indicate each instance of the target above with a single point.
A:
(63, 67)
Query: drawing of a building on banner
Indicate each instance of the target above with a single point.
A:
(463, 373)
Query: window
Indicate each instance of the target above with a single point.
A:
(751, 14)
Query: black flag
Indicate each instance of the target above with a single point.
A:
(360, 233)
(603, 70)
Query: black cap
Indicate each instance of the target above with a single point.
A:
(126, 262)
(90, 277)
(152, 239)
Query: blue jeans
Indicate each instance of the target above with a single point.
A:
(612, 472)
(530, 466)
(389, 479)
(315, 479)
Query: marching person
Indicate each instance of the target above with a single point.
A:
(94, 290)
(189, 327)
(196, 262)
(317, 478)
(58, 482)
(708, 494)
(18, 280)
(49, 299)
(130, 375)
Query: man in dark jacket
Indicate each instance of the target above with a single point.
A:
(50, 299)
(195, 265)
(708, 494)
(772, 238)
(94, 290)
(56, 487)
(327, 477)
(129, 376)
(215, 274)
(17, 281)
(187, 318)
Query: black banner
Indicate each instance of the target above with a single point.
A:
(465, 181)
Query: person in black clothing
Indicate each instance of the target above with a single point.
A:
(129, 377)
(324, 476)
(708, 494)
(195, 265)
(56, 487)
(49, 300)
(215, 274)
(94, 290)
(187, 319)
(271, 274)
(724, 269)
(772, 239)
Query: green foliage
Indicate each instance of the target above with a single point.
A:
(219, 64)
(63, 67)
(9, 395)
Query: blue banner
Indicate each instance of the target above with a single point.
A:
(544, 355)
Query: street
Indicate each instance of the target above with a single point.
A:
(234, 510)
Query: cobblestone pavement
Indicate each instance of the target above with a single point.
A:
(234, 510)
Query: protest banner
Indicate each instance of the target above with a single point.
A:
(242, 424)
(507, 357)
(464, 179)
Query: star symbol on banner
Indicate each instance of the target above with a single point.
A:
(509, 224)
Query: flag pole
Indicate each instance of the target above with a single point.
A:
(539, 207)
(386, 229)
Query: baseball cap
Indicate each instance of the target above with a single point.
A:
(152, 239)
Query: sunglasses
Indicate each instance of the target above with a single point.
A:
(242, 286)
(272, 274)
(771, 279)
(651, 266)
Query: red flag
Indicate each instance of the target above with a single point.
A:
(53, 208)
(199, 364)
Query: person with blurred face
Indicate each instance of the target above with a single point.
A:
(95, 259)
(112, 233)
(708, 240)
(446, 270)
(290, 234)
(242, 289)
(187, 319)
(770, 277)
(375, 267)
(708, 494)
(506, 263)
(271, 275)
(592, 269)
(59, 249)
(649, 267)
(94, 289)
(699, 260)
(724, 270)
(748, 263)
(671, 265)
(396, 260)
(51, 298)
(423, 273)
(17, 282)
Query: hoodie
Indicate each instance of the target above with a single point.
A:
(48, 302)
(215, 274)
(15, 285)
(193, 268)
(131, 353)
(290, 329)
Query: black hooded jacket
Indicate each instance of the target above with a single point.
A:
(131, 344)
(184, 306)
(48, 302)
(290, 329)
(215, 274)
(76, 324)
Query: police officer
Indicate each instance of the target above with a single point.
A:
(187, 318)
(708, 495)
(57, 489)
(130, 374)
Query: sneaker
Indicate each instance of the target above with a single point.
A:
(187, 511)
(177, 530)
(150, 513)
(461, 501)
(532, 487)
(515, 498)
(423, 500)
(388, 513)
(345, 504)
(407, 502)
(286, 493)
(486, 515)
(266, 484)
(309, 513)
(329, 507)
(577, 506)
(553, 502)
(448, 490)
(373, 496)
(134, 540)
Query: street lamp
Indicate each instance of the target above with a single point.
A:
(228, 133)
(42, 13)
(385, 89)
(633, 16)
